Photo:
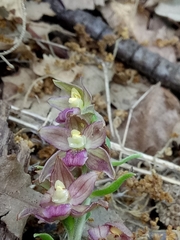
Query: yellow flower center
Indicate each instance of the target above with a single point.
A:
(75, 99)
(77, 140)
(60, 194)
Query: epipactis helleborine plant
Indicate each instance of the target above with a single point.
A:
(81, 140)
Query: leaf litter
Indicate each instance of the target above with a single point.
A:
(152, 127)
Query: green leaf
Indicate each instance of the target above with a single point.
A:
(118, 163)
(108, 142)
(43, 236)
(114, 186)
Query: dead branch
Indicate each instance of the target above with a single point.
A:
(152, 65)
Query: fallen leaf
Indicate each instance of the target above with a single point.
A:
(82, 4)
(117, 13)
(169, 9)
(54, 67)
(151, 3)
(93, 78)
(152, 121)
(13, 7)
(15, 193)
(23, 77)
(36, 10)
(123, 97)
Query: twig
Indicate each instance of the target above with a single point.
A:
(146, 158)
(143, 171)
(2, 54)
(30, 89)
(25, 123)
(50, 43)
(30, 114)
(108, 99)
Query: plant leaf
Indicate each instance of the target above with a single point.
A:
(43, 236)
(112, 187)
(118, 163)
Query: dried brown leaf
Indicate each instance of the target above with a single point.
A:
(11, 5)
(153, 121)
(56, 68)
(15, 193)
(82, 4)
(169, 9)
(36, 10)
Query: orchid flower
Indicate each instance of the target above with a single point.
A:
(76, 97)
(65, 197)
(82, 144)
(110, 231)
(76, 102)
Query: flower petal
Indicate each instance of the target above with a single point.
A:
(95, 134)
(99, 160)
(68, 87)
(55, 212)
(62, 173)
(80, 210)
(48, 167)
(77, 122)
(66, 113)
(75, 158)
(126, 233)
(48, 214)
(82, 187)
(26, 212)
(87, 96)
(59, 103)
(57, 136)
(99, 232)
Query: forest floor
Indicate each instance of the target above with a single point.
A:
(126, 53)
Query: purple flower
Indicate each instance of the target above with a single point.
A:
(76, 97)
(82, 143)
(65, 196)
(116, 230)
(76, 102)
(66, 114)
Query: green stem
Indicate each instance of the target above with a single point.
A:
(69, 224)
(80, 223)
(70, 235)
